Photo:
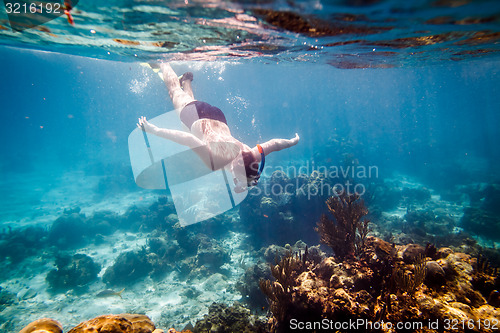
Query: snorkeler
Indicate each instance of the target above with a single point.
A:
(208, 129)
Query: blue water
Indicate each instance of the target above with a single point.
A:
(424, 116)
(72, 112)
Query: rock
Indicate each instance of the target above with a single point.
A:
(412, 252)
(189, 241)
(435, 274)
(326, 268)
(44, 325)
(268, 206)
(103, 223)
(315, 255)
(216, 282)
(18, 244)
(481, 222)
(279, 178)
(221, 318)
(158, 246)
(6, 299)
(420, 195)
(307, 281)
(248, 285)
(443, 252)
(378, 249)
(273, 252)
(281, 188)
(128, 268)
(494, 298)
(363, 296)
(190, 292)
(402, 238)
(69, 231)
(211, 254)
(73, 272)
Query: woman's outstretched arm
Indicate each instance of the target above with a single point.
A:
(180, 137)
(279, 144)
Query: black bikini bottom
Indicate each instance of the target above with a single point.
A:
(200, 110)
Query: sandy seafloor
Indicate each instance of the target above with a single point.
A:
(164, 301)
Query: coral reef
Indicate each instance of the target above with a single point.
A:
(411, 253)
(128, 268)
(137, 323)
(73, 272)
(416, 195)
(382, 286)
(346, 235)
(408, 281)
(44, 325)
(481, 222)
(123, 323)
(383, 196)
(373, 281)
(196, 255)
(282, 208)
(211, 254)
(69, 231)
(162, 255)
(427, 224)
(267, 258)
(483, 215)
(248, 285)
(285, 273)
(18, 244)
(6, 299)
(435, 274)
(368, 278)
(486, 280)
(224, 319)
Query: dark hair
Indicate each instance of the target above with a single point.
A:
(251, 165)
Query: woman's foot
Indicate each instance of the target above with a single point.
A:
(186, 76)
(185, 81)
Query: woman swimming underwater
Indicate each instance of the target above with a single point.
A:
(209, 131)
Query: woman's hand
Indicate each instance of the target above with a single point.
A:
(144, 125)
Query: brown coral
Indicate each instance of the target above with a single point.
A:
(44, 325)
(406, 281)
(123, 323)
(140, 323)
(347, 234)
(381, 286)
(279, 292)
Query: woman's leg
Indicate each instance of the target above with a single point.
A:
(178, 96)
(185, 81)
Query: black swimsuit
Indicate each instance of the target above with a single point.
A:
(200, 110)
